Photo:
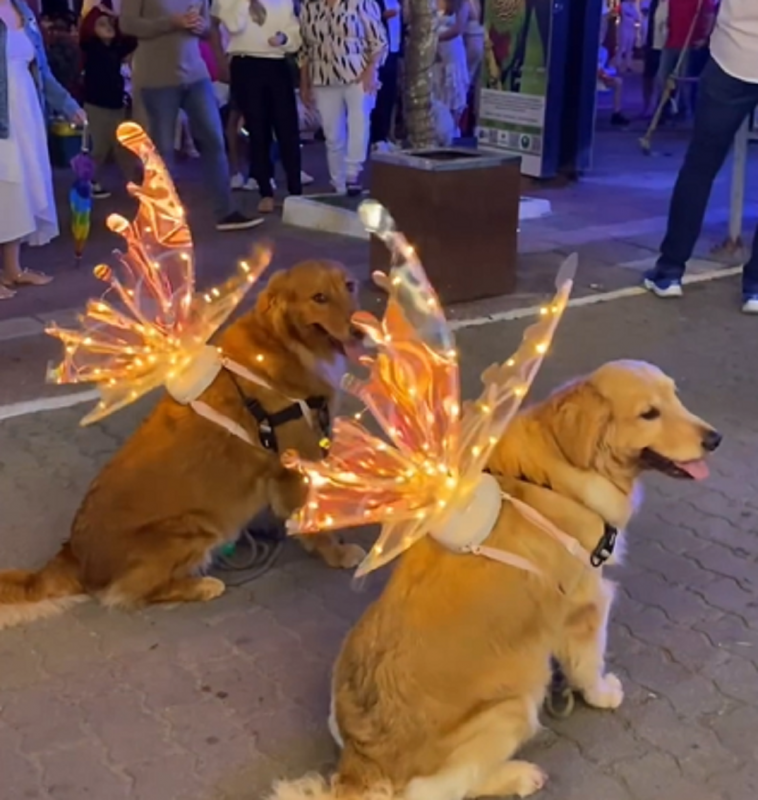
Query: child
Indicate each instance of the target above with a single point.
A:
(104, 50)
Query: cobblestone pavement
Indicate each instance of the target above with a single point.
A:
(212, 702)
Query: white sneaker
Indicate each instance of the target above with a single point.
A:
(306, 179)
(750, 305)
(250, 185)
(237, 182)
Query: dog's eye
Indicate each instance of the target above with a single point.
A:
(320, 297)
(350, 286)
(650, 414)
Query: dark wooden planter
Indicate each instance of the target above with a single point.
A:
(459, 208)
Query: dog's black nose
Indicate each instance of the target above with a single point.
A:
(357, 333)
(711, 440)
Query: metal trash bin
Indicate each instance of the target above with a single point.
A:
(459, 208)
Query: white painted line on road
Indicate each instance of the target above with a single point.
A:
(68, 400)
(586, 300)
(47, 404)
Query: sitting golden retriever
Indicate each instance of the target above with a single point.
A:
(441, 681)
(183, 485)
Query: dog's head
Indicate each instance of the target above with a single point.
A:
(311, 306)
(626, 418)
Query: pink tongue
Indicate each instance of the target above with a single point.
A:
(695, 469)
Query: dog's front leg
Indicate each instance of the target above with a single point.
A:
(287, 494)
(581, 651)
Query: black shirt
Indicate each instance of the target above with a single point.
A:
(103, 81)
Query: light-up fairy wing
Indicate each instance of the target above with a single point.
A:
(151, 324)
(435, 455)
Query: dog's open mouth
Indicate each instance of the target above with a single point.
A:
(696, 470)
(334, 343)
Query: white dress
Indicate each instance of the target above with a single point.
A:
(450, 77)
(26, 181)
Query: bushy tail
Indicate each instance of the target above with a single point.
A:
(26, 596)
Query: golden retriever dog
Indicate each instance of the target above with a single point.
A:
(441, 681)
(183, 485)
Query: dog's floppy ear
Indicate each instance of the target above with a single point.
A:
(579, 421)
(274, 293)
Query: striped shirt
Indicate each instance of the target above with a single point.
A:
(340, 39)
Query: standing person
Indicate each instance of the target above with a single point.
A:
(629, 19)
(689, 25)
(386, 97)
(344, 45)
(657, 32)
(450, 73)
(104, 50)
(27, 89)
(261, 34)
(169, 73)
(728, 95)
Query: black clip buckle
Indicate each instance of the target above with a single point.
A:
(604, 548)
(266, 435)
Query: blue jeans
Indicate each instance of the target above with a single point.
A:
(723, 104)
(199, 103)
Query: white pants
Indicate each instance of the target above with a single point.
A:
(340, 107)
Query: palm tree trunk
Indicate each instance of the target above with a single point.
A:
(420, 50)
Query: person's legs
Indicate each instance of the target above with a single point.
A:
(330, 101)
(281, 95)
(381, 117)
(103, 132)
(161, 108)
(359, 107)
(723, 104)
(202, 112)
(248, 84)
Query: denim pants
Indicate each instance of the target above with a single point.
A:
(723, 104)
(197, 100)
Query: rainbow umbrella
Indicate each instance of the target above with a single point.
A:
(80, 195)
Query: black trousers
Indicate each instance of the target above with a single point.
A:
(381, 116)
(264, 91)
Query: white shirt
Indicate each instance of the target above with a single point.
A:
(247, 38)
(734, 42)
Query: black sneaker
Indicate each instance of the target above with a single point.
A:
(354, 188)
(99, 193)
(619, 120)
(237, 222)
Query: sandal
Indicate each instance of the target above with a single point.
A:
(6, 293)
(28, 277)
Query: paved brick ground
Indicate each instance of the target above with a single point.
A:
(211, 702)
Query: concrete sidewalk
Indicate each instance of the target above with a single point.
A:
(212, 702)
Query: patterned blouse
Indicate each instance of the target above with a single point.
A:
(340, 40)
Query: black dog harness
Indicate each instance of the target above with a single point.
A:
(268, 423)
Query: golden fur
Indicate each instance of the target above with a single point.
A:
(441, 681)
(182, 485)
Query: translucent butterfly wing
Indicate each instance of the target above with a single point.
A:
(150, 323)
(506, 385)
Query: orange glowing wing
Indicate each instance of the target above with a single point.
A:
(436, 452)
(150, 322)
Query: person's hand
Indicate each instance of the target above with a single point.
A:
(109, 12)
(79, 118)
(370, 80)
(277, 40)
(224, 75)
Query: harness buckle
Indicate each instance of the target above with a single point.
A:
(604, 548)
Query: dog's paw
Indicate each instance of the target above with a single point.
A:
(609, 693)
(528, 778)
(349, 556)
(209, 589)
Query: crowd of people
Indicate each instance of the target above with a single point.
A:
(220, 80)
